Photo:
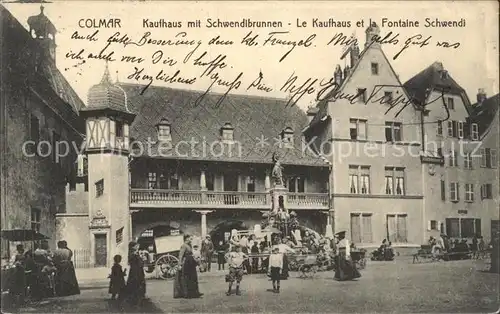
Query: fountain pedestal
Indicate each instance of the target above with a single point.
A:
(279, 199)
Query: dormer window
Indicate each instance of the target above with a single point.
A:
(163, 129)
(444, 75)
(287, 136)
(227, 132)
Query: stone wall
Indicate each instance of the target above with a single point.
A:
(32, 182)
(74, 228)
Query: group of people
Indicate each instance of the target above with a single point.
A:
(444, 244)
(384, 253)
(238, 259)
(42, 273)
(133, 291)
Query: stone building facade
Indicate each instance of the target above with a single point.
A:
(371, 130)
(158, 165)
(39, 109)
(459, 160)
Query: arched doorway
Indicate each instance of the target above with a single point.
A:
(218, 233)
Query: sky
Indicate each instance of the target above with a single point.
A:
(474, 64)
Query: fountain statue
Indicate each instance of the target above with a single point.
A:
(277, 172)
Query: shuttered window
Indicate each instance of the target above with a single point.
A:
(443, 190)
(397, 228)
(361, 228)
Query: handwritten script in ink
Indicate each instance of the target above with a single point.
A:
(143, 55)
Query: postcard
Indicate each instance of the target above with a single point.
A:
(250, 156)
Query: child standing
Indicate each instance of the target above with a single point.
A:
(235, 260)
(117, 278)
(276, 265)
(221, 252)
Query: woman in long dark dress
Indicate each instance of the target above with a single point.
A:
(66, 282)
(344, 267)
(186, 279)
(136, 281)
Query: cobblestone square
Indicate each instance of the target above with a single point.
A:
(389, 287)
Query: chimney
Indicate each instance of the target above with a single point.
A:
(338, 75)
(481, 96)
(372, 31)
(354, 54)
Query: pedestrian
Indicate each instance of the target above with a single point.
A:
(117, 279)
(18, 287)
(437, 249)
(221, 252)
(284, 249)
(276, 265)
(186, 279)
(255, 260)
(207, 250)
(65, 279)
(136, 281)
(474, 247)
(235, 260)
(31, 271)
(344, 267)
(481, 247)
(65, 246)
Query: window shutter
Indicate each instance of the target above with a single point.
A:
(460, 125)
(439, 226)
(443, 190)
(493, 157)
(458, 191)
(475, 132)
(450, 128)
(429, 225)
(483, 157)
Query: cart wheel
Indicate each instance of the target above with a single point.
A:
(314, 270)
(304, 270)
(167, 266)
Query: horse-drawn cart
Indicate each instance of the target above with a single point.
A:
(165, 261)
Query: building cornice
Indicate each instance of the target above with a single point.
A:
(379, 196)
(335, 139)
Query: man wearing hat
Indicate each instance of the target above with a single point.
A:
(344, 267)
(207, 250)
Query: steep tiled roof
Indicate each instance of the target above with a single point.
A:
(253, 118)
(484, 113)
(25, 66)
(106, 95)
(431, 78)
(322, 106)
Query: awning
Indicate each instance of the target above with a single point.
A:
(22, 235)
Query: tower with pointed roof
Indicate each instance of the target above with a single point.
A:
(107, 147)
(43, 31)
